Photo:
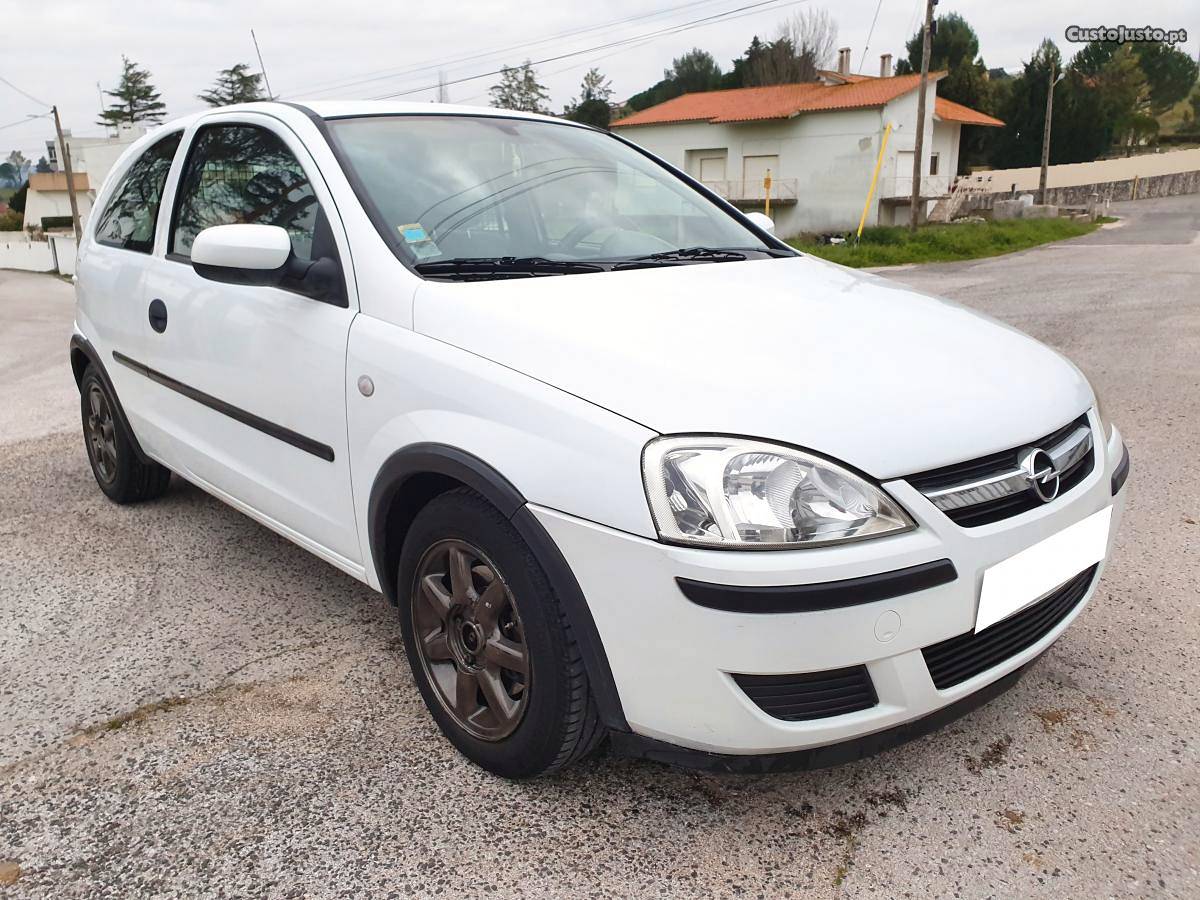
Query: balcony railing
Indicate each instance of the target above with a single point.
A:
(783, 190)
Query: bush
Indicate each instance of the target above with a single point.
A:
(11, 220)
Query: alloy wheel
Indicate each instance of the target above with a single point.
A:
(101, 435)
(470, 640)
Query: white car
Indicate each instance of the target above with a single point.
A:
(629, 466)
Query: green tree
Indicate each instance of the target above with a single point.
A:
(42, 165)
(10, 176)
(17, 200)
(954, 49)
(592, 106)
(1024, 112)
(695, 71)
(136, 98)
(519, 89)
(237, 84)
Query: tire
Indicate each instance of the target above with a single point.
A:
(118, 471)
(473, 599)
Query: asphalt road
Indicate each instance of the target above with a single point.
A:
(193, 706)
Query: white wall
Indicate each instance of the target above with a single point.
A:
(32, 256)
(1098, 172)
(831, 155)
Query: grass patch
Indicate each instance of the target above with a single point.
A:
(893, 246)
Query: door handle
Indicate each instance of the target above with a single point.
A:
(158, 315)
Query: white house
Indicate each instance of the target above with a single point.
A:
(94, 155)
(820, 141)
(48, 204)
(91, 160)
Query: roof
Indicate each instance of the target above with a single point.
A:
(949, 111)
(57, 181)
(781, 101)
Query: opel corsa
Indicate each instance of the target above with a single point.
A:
(629, 466)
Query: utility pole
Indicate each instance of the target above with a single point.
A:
(66, 154)
(914, 204)
(1054, 79)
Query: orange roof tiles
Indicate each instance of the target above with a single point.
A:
(949, 111)
(779, 101)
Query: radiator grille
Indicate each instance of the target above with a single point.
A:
(955, 660)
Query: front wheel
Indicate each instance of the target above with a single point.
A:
(487, 642)
(119, 473)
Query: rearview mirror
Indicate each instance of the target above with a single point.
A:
(763, 221)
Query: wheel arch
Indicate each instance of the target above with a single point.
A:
(414, 475)
(84, 354)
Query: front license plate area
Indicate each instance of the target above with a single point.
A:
(1026, 577)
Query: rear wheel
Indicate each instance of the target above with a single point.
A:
(487, 642)
(119, 473)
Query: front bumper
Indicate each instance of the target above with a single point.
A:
(673, 660)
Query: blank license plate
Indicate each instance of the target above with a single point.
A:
(1025, 578)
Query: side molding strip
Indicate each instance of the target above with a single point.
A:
(824, 595)
(299, 441)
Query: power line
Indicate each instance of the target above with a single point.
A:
(871, 31)
(23, 121)
(24, 93)
(748, 9)
(383, 74)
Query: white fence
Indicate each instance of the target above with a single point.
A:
(57, 254)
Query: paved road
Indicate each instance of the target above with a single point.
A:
(191, 705)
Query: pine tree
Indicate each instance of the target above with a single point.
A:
(137, 99)
(592, 106)
(519, 89)
(236, 84)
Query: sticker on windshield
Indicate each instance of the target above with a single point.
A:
(418, 240)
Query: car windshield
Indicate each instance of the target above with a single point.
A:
(465, 197)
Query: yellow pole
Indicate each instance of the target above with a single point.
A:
(767, 189)
(874, 178)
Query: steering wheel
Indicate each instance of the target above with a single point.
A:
(590, 225)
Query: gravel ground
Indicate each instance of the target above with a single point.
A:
(193, 706)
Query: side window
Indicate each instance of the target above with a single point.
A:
(129, 219)
(243, 174)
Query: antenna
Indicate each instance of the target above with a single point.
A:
(443, 94)
(266, 80)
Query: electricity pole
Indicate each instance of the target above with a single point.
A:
(1054, 79)
(66, 154)
(913, 207)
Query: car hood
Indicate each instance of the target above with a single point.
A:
(799, 351)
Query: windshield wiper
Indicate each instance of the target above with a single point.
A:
(482, 268)
(687, 255)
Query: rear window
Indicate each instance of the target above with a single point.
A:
(131, 217)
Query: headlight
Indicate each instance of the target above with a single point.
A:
(740, 493)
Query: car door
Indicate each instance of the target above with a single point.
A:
(113, 261)
(249, 380)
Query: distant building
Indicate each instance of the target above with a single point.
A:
(94, 155)
(48, 205)
(820, 142)
(92, 158)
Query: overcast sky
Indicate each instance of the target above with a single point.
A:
(58, 50)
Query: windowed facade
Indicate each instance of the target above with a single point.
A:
(243, 174)
(131, 216)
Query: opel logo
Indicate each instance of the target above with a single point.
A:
(1039, 471)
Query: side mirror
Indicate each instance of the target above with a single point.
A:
(261, 255)
(763, 221)
(245, 252)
